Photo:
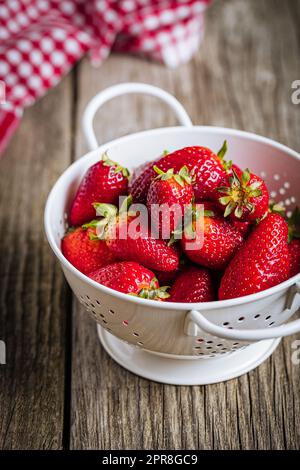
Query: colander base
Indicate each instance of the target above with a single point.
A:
(186, 371)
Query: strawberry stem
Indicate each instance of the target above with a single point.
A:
(223, 150)
(238, 193)
(221, 154)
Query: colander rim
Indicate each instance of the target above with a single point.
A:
(166, 305)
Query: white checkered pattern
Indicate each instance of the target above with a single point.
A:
(40, 40)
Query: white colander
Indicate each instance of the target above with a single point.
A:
(216, 331)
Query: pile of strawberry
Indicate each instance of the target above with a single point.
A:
(242, 246)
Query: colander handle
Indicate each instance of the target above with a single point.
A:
(122, 89)
(195, 319)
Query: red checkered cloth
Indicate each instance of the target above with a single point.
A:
(40, 40)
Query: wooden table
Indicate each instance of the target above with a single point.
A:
(59, 389)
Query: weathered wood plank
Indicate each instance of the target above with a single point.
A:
(240, 78)
(34, 296)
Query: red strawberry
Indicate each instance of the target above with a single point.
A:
(213, 243)
(262, 262)
(242, 227)
(194, 284)
(294, 241)
(169, 194)
(136, 184)
(85, 251)
(243, 195)
(166, 278)
(138, 171)
(129, 238)
(131, 278)
(294, 250)
(104, 181)
(207, 168)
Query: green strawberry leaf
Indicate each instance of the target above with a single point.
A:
(224, 189)
(179, 180)
(227, 165)
(235, 180)
(94, 237)
(182, 177)
(118, 168)
(238, 212)
(190, 232)
(125, 205)
(185, 175)
(229, 208)
(255, 185)
(101, 227)
(105, 210)
(209, 213)
(221, 153)
(250, 207)
(276, 208)
(91, 224)
(224, 200)
(154, 293)
(255, 193)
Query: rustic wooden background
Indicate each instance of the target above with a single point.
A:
(59, 388)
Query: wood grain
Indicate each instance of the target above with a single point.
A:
(240, 78)
(33, 295)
